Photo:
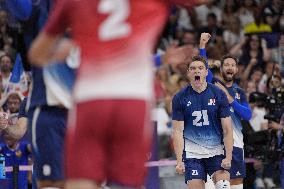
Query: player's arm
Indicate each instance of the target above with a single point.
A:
(204, 38)
(177, 134)
(228, 140)
(225, 115)
(18, 130)
(242, 109)
(48, 48)
(178, 141)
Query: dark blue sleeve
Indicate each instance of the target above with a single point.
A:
(158, 60)
(224, 107)
(177, 109)
(22, 110)
(202, 52)
(21, 9)
(243, 108)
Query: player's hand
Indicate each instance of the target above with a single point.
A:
(226, 163)
(204, 38)
(180, 169)
(4, 120)
(177, 55)
(274, 125)
(225, 90)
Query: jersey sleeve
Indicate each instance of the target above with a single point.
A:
(177, 109)
(224, 107)
(22, 110)
(59, 18)
(242, 109)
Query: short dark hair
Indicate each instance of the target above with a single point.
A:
(198, 58)
(229, 56)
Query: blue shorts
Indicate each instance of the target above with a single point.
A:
(199, 168)
(238, 169)
(48, 127)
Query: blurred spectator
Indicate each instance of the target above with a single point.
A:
(272, 14)
(250, 48)
(229, 12)
(203, 11)
(233, 33)
(259, 25)
(273, 83)
(187, 18)
(270, 67)
(256, 101)
(250, 87)
(6, 65)
(212, 28)
(245, 12)
(278, 52)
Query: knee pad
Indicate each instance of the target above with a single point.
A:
(239, 186)
(222, 184)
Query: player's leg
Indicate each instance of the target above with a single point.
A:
(129, 139)
(87, 145)
(195, 173)
(220, 177)
(238, 169)
(48, 132)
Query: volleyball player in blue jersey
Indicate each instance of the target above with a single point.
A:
(201, 129)
(240, 109)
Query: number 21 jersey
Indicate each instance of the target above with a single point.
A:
(201, 113)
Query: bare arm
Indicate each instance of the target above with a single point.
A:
(266, 51)
(228, 136)
(178, 140)
(245, 75)
(18, 130)
(46, 49)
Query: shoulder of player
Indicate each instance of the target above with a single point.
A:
(238, 88)
(182, 92)
(214, 88)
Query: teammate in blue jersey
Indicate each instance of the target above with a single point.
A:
(240, 109)
(201, 129)
(47, 103)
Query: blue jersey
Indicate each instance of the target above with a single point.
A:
(201, 113)
(240, 97)
(18, 156)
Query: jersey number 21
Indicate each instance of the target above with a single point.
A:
(199, 115)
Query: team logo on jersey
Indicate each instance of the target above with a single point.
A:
(238, 173)
(188, 103)
(237, 96)
(212, 101)
(231, 110)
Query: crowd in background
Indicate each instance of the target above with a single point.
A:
(252, 30)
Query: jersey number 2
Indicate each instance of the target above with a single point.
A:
(115, 25)
(200, 115)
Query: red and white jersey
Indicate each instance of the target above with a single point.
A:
(116, 38)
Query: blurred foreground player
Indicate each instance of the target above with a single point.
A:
(113, 88)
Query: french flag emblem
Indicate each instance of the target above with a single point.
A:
(211, 101)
